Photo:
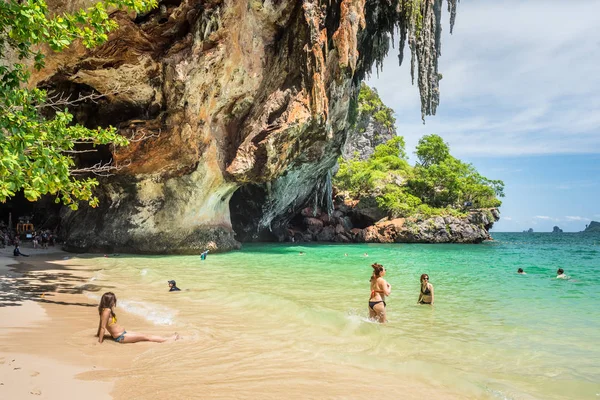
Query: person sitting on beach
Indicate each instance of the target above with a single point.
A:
(108, 323)
(560, 274)
(203, 255)
(379, 290)
(521, 272)
(426, 295)
(173, 286)
(17, 252)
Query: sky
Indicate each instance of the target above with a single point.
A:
(520, 100)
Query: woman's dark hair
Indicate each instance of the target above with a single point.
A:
(520, 270)
(377, 270)
(108, 300)
(560, 271)
(423, 276)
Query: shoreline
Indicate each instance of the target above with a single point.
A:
(40, 311)
(49, 348)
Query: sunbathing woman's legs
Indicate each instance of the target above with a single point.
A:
(133, 337)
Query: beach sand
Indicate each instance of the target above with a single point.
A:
(48, 349)
(39, 312)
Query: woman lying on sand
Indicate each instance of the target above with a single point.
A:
(108, 322)
(379, 289)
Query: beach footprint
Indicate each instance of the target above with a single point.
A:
(36, 392)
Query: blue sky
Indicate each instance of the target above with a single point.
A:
(520, 99)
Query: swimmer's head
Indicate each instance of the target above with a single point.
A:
(520, 270)
(172, 283)
(560, 271)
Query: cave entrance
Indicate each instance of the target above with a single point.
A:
(246, 209)
(43, 214)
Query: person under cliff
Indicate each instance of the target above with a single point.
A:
(426, 294)
(379, 290)
(17, 252)
(173, 286)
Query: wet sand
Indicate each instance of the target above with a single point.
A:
(48, 349)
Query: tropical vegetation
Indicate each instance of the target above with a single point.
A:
(438, 184)
(37, 141)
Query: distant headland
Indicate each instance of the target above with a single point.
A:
(594, 226)
(556, 229)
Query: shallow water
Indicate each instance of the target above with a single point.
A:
(266, 314)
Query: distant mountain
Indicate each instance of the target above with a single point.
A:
(556, 229)
(530, 230)
(594, 226)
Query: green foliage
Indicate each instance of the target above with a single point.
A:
(394, 147)
(35, 151)
(439, 185)
(432, 149)
(369, 104)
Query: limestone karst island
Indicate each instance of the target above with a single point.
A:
(221, 199)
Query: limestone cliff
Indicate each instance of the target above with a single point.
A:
(220, 96)
(594, 226)
(374, 125)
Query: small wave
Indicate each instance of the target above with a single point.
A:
(158, 315)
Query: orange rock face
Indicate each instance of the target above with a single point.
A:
(213, 95)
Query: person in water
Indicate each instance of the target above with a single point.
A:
(108, 323)
(560, 274)
(17, 252)
(173, 286)
(521, 272)
(379, 290)
(426, 295)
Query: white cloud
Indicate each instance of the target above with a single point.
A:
(507, 218)
(542, 217)
(576, 218)
(513, 83)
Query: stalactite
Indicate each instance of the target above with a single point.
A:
(419, 24)
(452, 11)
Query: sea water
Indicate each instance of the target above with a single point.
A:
(269, 311)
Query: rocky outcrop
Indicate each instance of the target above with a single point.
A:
(556, 229)
(530, 230)
(235, 100)
(342, 226)
(593, 226)
(373, 126)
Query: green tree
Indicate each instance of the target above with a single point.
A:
(36, 150)
(440, 185)
(432, 149)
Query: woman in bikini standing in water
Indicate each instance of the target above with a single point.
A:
(379, 290)
(108, 323)
(426, 295)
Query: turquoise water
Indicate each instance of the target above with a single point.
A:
(491, 334)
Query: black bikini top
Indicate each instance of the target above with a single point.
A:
(427, 292)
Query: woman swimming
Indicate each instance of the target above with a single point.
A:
(379, 290)
(108, 323)
(426, 295)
